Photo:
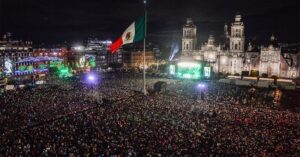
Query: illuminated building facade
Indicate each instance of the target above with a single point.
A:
(34, 66)
(51, 52)
(98, 51)
(98, 48)
(12, 51)
(270, 59)
(232, 57)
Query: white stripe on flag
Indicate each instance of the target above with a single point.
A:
(128, 35)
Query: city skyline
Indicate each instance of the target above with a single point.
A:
(56, 22)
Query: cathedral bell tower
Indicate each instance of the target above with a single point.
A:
(189, 39)
(237, 37)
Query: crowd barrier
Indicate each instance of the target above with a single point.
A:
(262, 83)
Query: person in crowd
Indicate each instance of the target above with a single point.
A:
(64, 120)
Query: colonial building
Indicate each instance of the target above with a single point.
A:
(50, 52)
(135, 59)
(189, 39)
(270, 59)
(233, 57)
(12, 51)
(97, 49)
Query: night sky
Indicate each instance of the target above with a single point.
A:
(55, 21)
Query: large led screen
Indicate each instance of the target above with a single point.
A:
(207, 72)
(189, 70)
(172, 70)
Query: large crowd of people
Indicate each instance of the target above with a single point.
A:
(64, 120)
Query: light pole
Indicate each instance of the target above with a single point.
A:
(144, 54)
(201, 87)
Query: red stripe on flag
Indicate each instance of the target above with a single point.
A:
(116, 45)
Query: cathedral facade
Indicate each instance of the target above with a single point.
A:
(233, 57)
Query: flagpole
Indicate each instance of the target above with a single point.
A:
(144, 54)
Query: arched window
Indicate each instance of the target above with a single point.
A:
(235, 46)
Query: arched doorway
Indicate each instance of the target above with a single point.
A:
(269, 71)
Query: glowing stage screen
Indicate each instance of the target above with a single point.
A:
(189, 70)
(207, 72)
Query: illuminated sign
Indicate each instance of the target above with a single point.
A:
(22, 68)
(30, 68)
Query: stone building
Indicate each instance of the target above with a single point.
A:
(135, 59)
(270, 59)
(189, 39)
(233, 57)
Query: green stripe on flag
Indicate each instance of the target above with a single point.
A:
(139, 29)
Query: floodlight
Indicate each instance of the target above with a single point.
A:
(91, 78)
(201, 85)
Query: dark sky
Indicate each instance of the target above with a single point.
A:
(54, 21)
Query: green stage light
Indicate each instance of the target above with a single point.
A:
(92, 62)
(64, 72)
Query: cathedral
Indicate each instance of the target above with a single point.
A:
(233, 57)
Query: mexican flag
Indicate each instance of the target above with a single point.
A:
(134, 33)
